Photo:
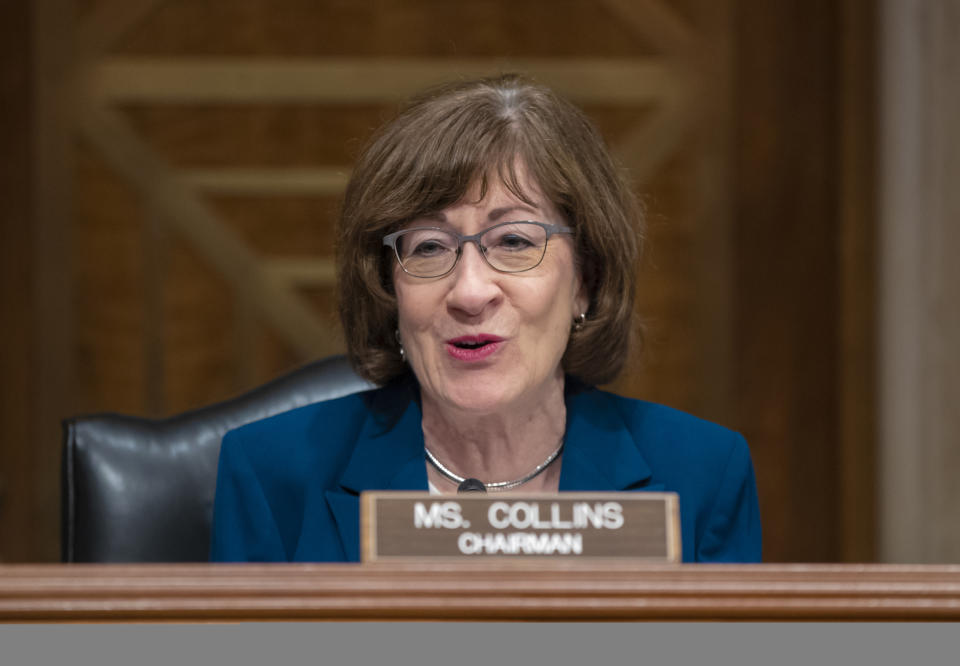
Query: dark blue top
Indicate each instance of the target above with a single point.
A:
(288, 486)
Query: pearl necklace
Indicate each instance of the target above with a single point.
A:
(496, 485)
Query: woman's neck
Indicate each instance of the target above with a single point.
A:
(499, 446)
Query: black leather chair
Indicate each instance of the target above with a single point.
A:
(141, 490)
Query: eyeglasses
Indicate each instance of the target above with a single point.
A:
(508, 247)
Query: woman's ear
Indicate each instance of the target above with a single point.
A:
(581, 301)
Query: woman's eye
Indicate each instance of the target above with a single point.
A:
(428, 248)
(514, 242)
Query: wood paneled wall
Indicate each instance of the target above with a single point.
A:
(805, 287)
(787, 268)
(16, 312)
(213, 138)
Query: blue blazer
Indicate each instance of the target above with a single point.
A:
(288, 486)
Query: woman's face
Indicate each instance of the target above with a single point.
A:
(521, 320)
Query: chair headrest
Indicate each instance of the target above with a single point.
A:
(140, 490)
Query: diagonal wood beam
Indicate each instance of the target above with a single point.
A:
(644, 149)
(358, 80)
(107, 23)
(656, 24)
(311, 272)
(195, 222)
(246, 181)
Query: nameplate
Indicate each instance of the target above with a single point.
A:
(419, 526)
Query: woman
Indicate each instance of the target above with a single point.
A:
(486, 257)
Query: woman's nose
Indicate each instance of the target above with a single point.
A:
(475, 283)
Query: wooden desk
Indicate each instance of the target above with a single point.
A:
(476, 591)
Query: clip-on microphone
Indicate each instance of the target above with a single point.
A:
(471, 486)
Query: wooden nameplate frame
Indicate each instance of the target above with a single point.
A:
(405, 526)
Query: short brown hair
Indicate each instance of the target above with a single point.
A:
(427, 158)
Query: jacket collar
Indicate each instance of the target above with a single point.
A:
(599, 453)
(388, 455)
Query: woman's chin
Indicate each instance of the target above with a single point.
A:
(476, 397)
(479, 403)
(496, 389)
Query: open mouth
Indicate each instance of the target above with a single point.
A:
(473, 347)
(470, 345)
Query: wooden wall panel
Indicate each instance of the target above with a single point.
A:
(52, 359)
(257, 134)
(110, 289)
(392, 28)
(198, 325)
(282, 226)
(666, 366)
(16, 276)
(859, 287)
(787, 320)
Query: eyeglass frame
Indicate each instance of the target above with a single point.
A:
(390, 240)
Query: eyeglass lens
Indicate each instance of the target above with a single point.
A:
(511, 248)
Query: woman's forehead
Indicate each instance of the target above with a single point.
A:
(498, 205)
(500, 190)
(498, 194)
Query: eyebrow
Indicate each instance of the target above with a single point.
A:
(493, 215)
(497, 213)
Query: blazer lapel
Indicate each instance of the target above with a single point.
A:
(388, 455)
(345, 508)
(600, 453)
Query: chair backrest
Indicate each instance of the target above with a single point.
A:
(141, 490)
